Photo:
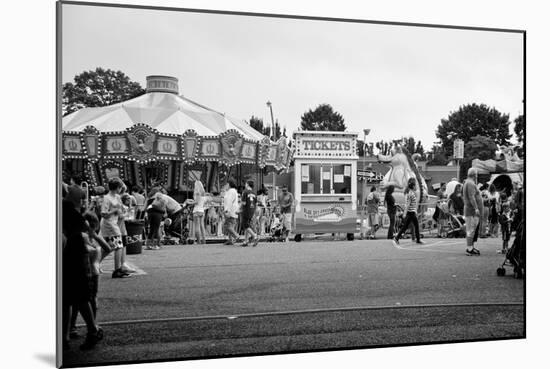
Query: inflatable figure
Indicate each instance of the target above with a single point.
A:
(403, 167)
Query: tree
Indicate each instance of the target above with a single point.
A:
(470, 121)
(408, 143)
(519, 128)
(479, 147)
(323, 118)
(437, 156)
(101, 87)
(257, 124)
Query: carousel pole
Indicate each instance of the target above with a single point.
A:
(273, 178)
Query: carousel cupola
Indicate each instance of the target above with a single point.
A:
(162, 84)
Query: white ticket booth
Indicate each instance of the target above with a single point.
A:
(325, 183)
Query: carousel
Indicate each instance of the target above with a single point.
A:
(164, 138)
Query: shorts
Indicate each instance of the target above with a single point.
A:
(115, 242)
(471, 225)
(287, 221)
(247, 220)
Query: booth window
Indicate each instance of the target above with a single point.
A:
(326, 178)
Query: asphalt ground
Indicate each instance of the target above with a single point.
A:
(212, 300)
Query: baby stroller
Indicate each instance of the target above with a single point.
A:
(454, 226)
(276, 230)
(515, 256)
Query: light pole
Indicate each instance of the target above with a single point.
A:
(365, 134)
(272, 123)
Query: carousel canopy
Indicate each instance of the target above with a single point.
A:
(162, 125)
(163, 110)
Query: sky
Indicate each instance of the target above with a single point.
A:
(395, 80)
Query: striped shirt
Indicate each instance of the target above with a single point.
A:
(411, 202)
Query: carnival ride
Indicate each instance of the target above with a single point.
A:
(164, 137)
(503, 171)
(403, 167)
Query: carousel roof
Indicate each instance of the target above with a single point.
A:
(161, 109)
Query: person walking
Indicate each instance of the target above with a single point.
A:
(230, 208)
(262, 207)
(248, 201)
(391, 209)
(199, 196)
(286, 200)
(494, 202)
(472, 210)
(372, 201)
(411, 209)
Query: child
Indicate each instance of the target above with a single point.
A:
(111, 211)
(255, 223)
(276, 228)
(505, 220)
(97, 248)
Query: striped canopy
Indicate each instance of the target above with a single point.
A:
(163, 111)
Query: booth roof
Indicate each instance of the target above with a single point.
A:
(165, 112)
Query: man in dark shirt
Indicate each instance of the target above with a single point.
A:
(248, 201)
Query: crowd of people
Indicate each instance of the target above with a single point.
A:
(480, 209)
(485, 211)
(408, 218)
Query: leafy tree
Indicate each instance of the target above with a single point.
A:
(323, 118)
(437, 156)
(101, 87)
(408, 143)
(479, 147)
(257, 124)
(473, 120)
(519, 128)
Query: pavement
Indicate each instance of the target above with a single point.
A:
(191, 301)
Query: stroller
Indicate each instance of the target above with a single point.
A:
(454, 226)
(515, 256)
(276, 230)
(178, 226)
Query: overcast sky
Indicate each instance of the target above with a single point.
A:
(395, 80)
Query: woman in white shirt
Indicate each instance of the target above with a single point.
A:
(199, 196)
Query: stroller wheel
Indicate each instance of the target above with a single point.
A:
(350, 236)
(501, 272)
(298, 238)
(190, 241)
(517, 273)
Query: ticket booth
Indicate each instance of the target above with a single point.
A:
(325, 183)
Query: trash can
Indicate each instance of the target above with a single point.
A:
(135, 229)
